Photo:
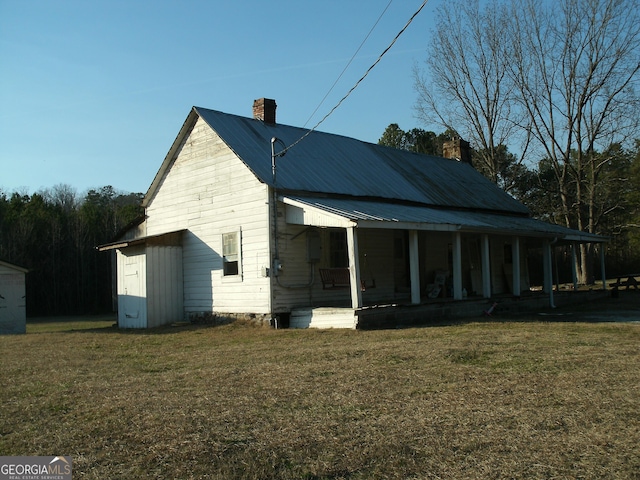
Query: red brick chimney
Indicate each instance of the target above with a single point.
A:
(457, 149)
(265, 109)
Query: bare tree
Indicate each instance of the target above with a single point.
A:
(575, 64)
(63, 195)
(465, 87)
(561, 74)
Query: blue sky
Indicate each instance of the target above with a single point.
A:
(93, 92)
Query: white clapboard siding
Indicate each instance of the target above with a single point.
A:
(209, 191)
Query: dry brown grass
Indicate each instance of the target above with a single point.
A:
(475, 400)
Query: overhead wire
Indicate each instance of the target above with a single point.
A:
(373, 65)
(348, 63)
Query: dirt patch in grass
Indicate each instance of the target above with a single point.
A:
(496, 399)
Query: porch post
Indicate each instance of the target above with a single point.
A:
(457, 266)
(547, 268)
(515, 254)
(574, 271)
(486, 267)
(354, 268)
(604, 276)
(414, 267)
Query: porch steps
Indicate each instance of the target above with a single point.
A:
(324, 317)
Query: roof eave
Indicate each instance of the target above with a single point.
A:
(14, 267)
(149, 239)
(186, 128)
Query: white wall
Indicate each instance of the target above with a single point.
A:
(209, 191)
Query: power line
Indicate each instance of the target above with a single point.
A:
(348, 63)
(358, 82)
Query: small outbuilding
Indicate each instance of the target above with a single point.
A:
(13, 299)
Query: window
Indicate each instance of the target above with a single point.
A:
(338, 256)
(231, 253)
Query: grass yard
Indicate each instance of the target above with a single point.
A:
(522, 399)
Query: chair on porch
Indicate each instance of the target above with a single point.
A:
(439, 286)
(334, 278)
(340, 278)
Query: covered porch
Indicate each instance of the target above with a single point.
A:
(423, 262)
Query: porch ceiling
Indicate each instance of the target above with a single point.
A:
(342, 213)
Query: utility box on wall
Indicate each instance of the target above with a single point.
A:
(13, 300)
(314, 246)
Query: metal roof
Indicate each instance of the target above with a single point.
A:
(334, 164)
(371, 214)
(372, 185)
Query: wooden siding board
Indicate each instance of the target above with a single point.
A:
(165, 299)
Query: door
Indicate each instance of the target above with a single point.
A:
(13, 314)
(132, 298)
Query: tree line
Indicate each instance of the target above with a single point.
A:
(53, 233)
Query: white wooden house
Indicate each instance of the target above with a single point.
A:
(249, 217)
(13, 313)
